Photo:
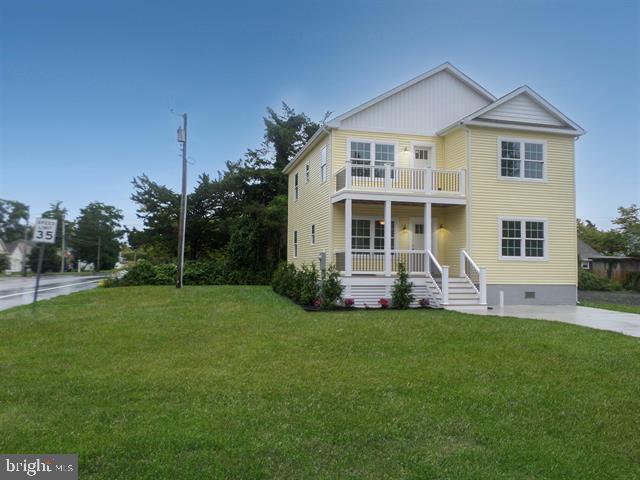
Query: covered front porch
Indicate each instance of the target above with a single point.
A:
(373, 237)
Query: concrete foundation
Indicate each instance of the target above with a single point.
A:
(532, 294)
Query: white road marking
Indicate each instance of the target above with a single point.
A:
(40, 290)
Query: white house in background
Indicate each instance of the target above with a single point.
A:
(18, 253)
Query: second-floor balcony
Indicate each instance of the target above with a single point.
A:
(387, 178)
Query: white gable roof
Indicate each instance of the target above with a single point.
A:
(422, 105)
(522, 108)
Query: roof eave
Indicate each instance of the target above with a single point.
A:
(324, 130)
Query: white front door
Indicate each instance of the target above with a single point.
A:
(417, 234)
(422, 156)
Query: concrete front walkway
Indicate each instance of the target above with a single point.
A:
(625, 323)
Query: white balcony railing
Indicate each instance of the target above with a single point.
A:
(372, 261)
(400, 179)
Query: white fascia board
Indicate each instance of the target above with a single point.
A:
(575, 128)
(530, 128)
(312, 141)
(335, 122)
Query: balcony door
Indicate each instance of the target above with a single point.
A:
(422, 156)
(417, 234)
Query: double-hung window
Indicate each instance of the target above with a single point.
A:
(323, 164)
(524, 239)
(367, 234)
(522, 159)
(296, 189)
(295, 243)
(370, 154)
(313, 234)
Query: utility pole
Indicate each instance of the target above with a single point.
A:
(98, 261)
(182, 139)
(62, 252)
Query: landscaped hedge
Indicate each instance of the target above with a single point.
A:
(307, 286)
(589, 281)
(144, 272)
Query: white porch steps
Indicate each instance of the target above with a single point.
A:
(462, 292)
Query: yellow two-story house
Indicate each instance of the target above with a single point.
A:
(473, 194)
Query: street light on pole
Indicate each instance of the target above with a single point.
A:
(182, 140)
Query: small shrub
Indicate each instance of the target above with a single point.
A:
(307, 280)
(349, 302)
(165, 274)
(284, 280)
(208, 272)
(383, 302)
(142, 273)
(401, 296)
(424, 302)
(633, 281)
(330, 287)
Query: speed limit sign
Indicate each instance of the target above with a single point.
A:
(44, 230)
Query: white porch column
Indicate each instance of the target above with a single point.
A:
(427, 226)
(347, 237)
(387, 238)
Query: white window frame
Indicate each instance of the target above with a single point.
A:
(295, 244)
(586, 264)
(522, 141)
(372, 149)
(323, 164)
(312, 234)
(296, 187)
(307, 172)
(523, 234)
(372, 233)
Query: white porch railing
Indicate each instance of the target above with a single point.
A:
(476, 275)
(400, 179)
(372, 261)
(440, 275)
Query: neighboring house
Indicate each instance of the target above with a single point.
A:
(474, 195)
(612, 267)
(18, 252)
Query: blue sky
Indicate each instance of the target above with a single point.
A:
(86, 88)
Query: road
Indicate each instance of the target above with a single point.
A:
(16, 291)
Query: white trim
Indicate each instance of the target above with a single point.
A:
(372, 142)
(335, 122)
(323, 158)
(436, 199)
(372, 230)
(431, 146)
(522, 141)
(573, 129)
(469, 195)
(524, 128)
(522, 257)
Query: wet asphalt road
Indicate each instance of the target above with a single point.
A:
(16, 291)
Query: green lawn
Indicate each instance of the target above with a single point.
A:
(236, 382)
(618, 307)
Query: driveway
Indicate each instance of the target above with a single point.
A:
(620, 322)
(16, 291)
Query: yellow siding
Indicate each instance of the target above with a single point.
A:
(554, 200)
(455, 150)
(312, 207)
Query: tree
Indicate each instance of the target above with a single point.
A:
(5, 264)
(608, 242)
(98, 228)
(628, 225)
(13, 218)
(50, 258)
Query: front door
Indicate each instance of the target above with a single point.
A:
(417, 234)
(421, 157)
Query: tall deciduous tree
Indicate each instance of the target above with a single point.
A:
(13, 219)
(98, 225)
(628, 225)
(51, 257)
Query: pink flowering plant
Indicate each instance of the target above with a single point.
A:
(424, 302)
(384, 303)
(349, 302)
